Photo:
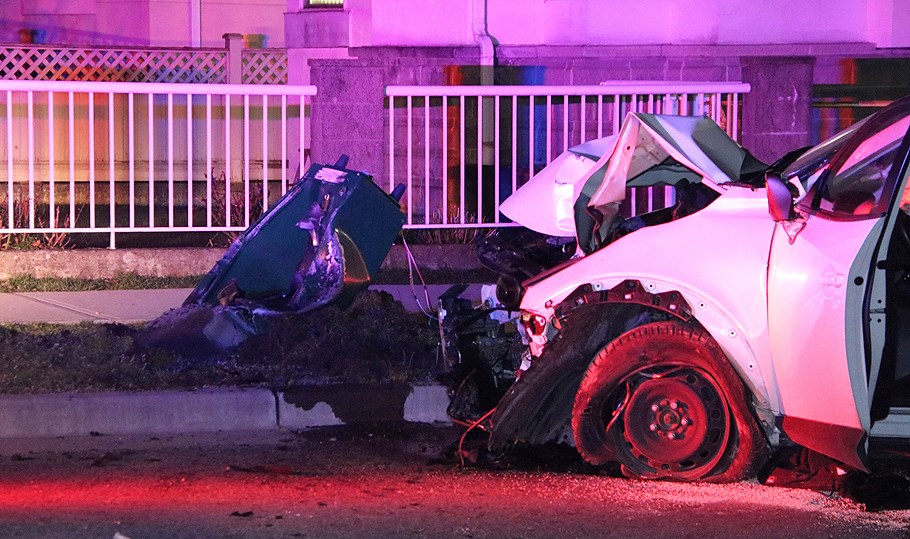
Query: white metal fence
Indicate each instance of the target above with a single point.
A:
(149, 64)
(462, 150)
(145, 157)
(148, 157)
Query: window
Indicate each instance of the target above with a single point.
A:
(324, 3)
(858, 189)
(858, 185)
(810, 165)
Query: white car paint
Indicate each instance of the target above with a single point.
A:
(720, 271)
(807, 297)
(559, 183)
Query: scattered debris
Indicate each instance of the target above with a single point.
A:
(242, 514)
(798, 467)
(111, 456)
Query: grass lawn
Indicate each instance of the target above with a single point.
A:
(374, 340)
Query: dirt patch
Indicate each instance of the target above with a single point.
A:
(374, 340)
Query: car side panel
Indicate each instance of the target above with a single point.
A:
(716, 257)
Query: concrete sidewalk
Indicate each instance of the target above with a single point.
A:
(129, 306)
(123, 306)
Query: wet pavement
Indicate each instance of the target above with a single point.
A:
(389, 480)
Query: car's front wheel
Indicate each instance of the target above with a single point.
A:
(663, 400)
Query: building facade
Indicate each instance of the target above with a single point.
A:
(803, 60)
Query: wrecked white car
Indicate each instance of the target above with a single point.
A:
(761, 306)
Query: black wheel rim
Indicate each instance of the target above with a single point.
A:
(670, 422)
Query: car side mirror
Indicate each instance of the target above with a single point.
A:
(780, 201)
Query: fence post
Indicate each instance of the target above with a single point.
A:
(234, 45)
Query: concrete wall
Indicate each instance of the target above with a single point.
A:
(888, 22)
(510, 22)
(776, 116)
(623, 22)
(253, 18)
(347, 117)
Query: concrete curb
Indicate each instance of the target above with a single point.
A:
(209, 410)
(129, 306)
(108, 263)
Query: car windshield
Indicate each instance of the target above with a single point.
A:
(811, 164)
(857, 186)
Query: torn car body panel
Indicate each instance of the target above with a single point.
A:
(560, 182)
(322, 242)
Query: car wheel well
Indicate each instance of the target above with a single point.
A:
(538, 407)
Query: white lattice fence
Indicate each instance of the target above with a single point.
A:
(112, 65)
(208, 66)
(262, 66)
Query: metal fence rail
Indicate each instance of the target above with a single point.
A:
(462, 150)
(145, 157)
(147, 64)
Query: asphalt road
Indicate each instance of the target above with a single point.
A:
(376, 481)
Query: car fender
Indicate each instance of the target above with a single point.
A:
(694, 306)
(717, 258)
(537, 408)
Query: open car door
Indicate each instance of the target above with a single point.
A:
(827, 290)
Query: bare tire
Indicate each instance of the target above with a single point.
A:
(663, 401)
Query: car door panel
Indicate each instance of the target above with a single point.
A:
(809, 296)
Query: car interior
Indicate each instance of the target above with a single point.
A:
(894, 379)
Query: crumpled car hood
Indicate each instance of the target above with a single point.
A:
(650, 149)
(545, 203)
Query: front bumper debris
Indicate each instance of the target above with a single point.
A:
(321, 243)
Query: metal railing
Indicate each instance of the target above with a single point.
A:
(147, 64)
(145, 157)
(462, 150)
